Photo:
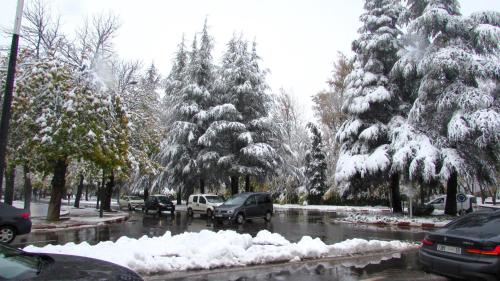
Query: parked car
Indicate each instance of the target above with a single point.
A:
(159, 203)
(244, 206)
(13, 222)
(203, 204)
(131, 202)
(466, 248)
(20, 265)
(468, 206)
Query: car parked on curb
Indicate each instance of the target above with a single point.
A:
(131, 202)
(203, 204)
(469, 205)
(467, 248)
(158, 203)
(244, 206)
(17, 264)
(13, 222)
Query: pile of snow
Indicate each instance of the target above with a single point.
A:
(333, 208)
(208, 249)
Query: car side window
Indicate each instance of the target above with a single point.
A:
(195, 199)
(202, 200)
(261, 199)
(250, 201)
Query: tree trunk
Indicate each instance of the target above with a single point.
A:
(58, 183)
(28, 188)
(87, 192)
(422, 193)
(79, 192)
(10, 176)
(202, 186)
(234, 185)
(179, 196)
(108, 192)
(451, 195)
(247, 183)
(146, 193)
(396, 195)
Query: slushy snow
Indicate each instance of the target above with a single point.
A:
(207, 249)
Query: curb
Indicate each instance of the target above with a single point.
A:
(42, 228)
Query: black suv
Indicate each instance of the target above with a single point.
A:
(159, 203)
(244, 206)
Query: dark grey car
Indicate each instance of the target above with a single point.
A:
(13, 221)
(243, 206)
(20, 265)
(467, 248)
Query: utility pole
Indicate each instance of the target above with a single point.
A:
(9, 87)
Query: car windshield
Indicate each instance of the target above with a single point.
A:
(163, 199)
(17, 264)
(134, 198)
(236, 200)
(215, 199)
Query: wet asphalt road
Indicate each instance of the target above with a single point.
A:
(291, 224)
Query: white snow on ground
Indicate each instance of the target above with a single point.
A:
(395, 219)
(331, 208)
(208, 249)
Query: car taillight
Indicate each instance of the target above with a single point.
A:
(427, 242)
(25, 215)
(494, 252)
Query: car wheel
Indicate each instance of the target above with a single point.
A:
(129, 207)
(240, 218)
(190, 212)
(268, 216)
(462, 212)
(209, 214)
(7, 234)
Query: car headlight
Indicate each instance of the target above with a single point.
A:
(230, 211)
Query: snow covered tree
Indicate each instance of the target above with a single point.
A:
(315, 167)
(328, 110)
(241, 135)
(454, 102)
(143, 111)
(195, 97)
(364, 159)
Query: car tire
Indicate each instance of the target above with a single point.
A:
(209, 213)
(240, 218)
(462, 212)
(190, 212)
(268, 216)
(7, 234)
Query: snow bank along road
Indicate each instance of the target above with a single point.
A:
(207, 249)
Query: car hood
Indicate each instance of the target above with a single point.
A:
(136, 201)
(64, 267)
(215, 204)
(224, 207)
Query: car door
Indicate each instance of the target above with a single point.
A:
(202, 204)
(251, 207)
(195, 204)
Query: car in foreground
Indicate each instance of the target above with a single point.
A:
(131, 202)
(467, 248)
(203, 204)
(159, 203)
(17, 264)
(244, 206)
(13, 222)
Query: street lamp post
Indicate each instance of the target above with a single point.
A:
(9, 87)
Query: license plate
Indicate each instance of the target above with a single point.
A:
(449, 249)
(218, 216)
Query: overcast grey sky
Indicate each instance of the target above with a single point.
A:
(297, 39)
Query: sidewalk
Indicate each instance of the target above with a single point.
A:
(70, 217)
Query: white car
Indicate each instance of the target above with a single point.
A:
(468, 205)
(131, 202)
(203, 204)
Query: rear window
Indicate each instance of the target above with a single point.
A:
(484, 224)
